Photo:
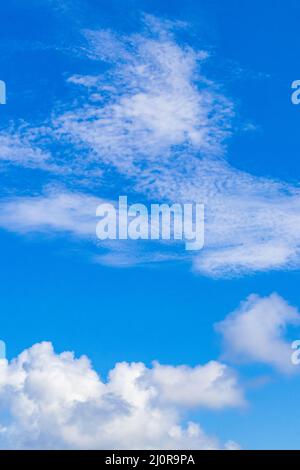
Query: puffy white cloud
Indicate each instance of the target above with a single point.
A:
(56, 401)
(212, 385)
(255, 332)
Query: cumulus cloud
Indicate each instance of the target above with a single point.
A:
(255, 332)
(56, 401)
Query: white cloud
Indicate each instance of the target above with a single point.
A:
(212, 385)
(162, 124)
(57, 211)
(57, 401)
(154, 118)
(252, 224)
(255, 332)
(15, 150)
(154, 102)
(31, 147)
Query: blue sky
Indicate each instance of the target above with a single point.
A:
(189, 102)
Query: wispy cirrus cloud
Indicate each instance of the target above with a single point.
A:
(55, 211)
(153, 120)
(18, 151)
(162, 124)
(153, 104)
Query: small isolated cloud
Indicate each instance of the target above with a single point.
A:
(56, 401)
(255, 332)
